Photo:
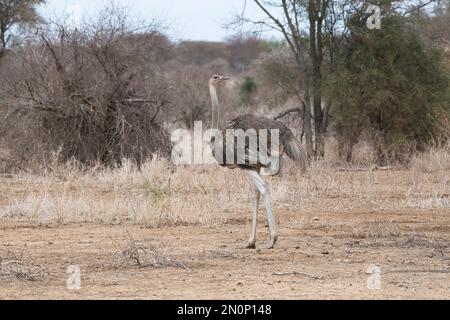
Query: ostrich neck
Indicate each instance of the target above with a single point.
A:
(215, 108)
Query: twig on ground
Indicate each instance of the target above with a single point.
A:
(296, 273)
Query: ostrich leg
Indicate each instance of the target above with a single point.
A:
(264, 189)
(255, 199)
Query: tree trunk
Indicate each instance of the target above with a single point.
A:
(307, 119)
(3, 41)
(316, 50)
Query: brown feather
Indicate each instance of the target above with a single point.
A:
(288, 143)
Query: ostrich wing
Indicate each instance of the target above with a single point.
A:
(249, 121)
(288, 143)
(257, 153)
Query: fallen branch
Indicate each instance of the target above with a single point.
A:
(295, 273)
(285, 113)
(11, 262)
(417, 271)
(365, 169)
(354, 169)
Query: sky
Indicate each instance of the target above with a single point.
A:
(186, 19)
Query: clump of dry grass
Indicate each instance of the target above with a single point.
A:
(421, 241)
(377, 230)
(363, 154)
(433, 160)
(13, 265)
(430, 179)
(142, 254)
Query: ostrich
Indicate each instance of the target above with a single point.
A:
(288, 145)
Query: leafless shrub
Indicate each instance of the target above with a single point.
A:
(92, 94)
(142, 254)
(13, 265)
(377, 230)
(438, 245)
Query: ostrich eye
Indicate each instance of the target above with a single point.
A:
(216, 77)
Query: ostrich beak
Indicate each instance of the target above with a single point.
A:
(225, 78)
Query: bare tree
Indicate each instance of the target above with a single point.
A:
(306, 42)
(313, 29)
(15, 12)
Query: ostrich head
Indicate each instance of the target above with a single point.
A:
(217, 80)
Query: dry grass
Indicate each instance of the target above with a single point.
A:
(144, 254)
(415, 240)
(160, 194)
(434, 160)
(377, 230)
(155, 195)
(430, 179)
(13, 265)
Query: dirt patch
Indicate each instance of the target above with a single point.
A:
(194, 262)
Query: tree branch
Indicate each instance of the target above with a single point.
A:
(418, 7)
(285, 113)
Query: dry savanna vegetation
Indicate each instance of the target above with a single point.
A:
(164, 232)
(87, 179)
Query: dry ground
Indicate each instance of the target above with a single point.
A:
(165, 233)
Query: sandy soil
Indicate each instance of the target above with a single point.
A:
(326, 256)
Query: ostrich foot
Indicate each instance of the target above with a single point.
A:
(251, 245)
(273, 240)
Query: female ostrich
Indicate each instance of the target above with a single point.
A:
(287, 144)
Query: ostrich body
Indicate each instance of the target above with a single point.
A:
(271, 165)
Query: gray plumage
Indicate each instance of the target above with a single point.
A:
(288, 143)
